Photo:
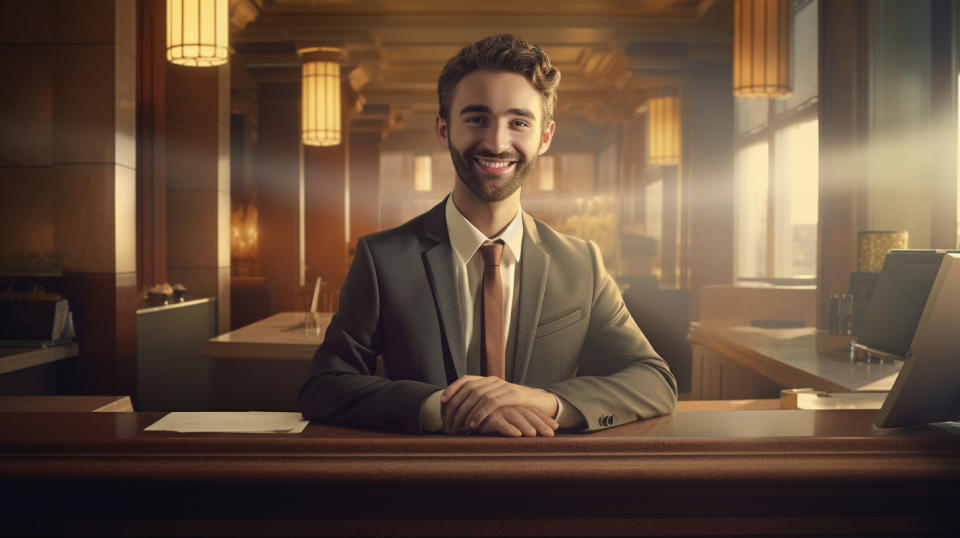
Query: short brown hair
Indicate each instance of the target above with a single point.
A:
(501, 53)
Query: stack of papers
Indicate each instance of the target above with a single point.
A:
(230, 422)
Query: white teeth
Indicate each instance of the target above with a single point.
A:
(494, 164)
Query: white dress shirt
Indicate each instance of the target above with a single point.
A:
(466, 240)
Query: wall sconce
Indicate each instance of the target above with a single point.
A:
(197, 32)
(663, 130)
(546, 173)
(422, 173)
(320, 105)
(761, 48)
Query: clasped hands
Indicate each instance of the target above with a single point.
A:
(492, 405)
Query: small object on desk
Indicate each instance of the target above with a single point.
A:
(311, 323)
(230, 422)
(316, 295)
(179, 293)
(778, 323)
(828, 342)
(808, 398)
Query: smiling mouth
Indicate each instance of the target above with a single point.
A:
(494, 166)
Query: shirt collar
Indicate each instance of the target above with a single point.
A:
(466, 238)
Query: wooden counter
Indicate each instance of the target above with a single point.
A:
(13, 359)
(277, 348)
(279, 337)
(694, 473)
(750, 362)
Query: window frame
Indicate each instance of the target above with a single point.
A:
(776, 121)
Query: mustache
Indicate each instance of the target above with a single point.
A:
(503, 156)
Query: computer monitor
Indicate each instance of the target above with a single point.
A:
(898, 300)
(928, 386)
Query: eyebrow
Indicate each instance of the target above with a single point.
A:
(526, 113)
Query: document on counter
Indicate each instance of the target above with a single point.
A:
(230, 422)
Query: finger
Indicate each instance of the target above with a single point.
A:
(546, 418)
(519, 421)
(454, 387)
(495, 398)
(475, 397)
(498, 424)
(462, 388)
(537, 420)
(460, 401)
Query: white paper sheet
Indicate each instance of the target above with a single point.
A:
(230, 422)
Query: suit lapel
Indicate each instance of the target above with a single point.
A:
(438, 260)
(534, 265)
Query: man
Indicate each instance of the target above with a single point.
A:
(485, 318)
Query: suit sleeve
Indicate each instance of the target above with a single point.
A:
(342, 387)
(620, 378)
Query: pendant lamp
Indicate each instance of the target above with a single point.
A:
(663, 131)
(320, 106)
(761, 48)
(197, 32)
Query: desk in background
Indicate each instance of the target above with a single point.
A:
(263, 365)
(33, 370)
(65, 404)
(693, 473)
(749, 362)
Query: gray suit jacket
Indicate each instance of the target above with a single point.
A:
(574, 336)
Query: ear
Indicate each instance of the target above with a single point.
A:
(547, 138)
(442, 133)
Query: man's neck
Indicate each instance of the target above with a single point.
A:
(490, 218)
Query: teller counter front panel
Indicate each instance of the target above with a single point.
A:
(760, 472)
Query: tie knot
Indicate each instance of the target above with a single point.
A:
(491, 252)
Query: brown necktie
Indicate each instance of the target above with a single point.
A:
(491, 321)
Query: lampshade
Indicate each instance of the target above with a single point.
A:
(422, 173)
(761, 48)
(663, 130)
(546, 173)
(321, 96)
(197, 32)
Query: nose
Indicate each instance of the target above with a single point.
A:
(498, 138)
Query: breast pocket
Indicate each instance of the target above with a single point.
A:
(559, 322)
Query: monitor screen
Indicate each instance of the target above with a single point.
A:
(928, 387)
(898, 299)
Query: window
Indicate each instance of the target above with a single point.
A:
(777, 170)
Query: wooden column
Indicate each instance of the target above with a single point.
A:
(841, 162)
(709, 169)
(198, 183)
(326, 178)
(151, 143)
(364, 184)
(67, 168)
(277, 168)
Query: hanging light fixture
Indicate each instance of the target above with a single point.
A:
(761, 48)
(663, 130)
(546, 173)
(422, 173)
(197, 32)
(320, 106)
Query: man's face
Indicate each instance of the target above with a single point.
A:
(495, 132)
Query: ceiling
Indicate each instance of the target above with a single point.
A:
(611, 53)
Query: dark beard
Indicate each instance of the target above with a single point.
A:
(488, 187)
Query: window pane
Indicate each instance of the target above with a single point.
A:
(796, 166)
(752, 166)
(804, 56)
(751, 114)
